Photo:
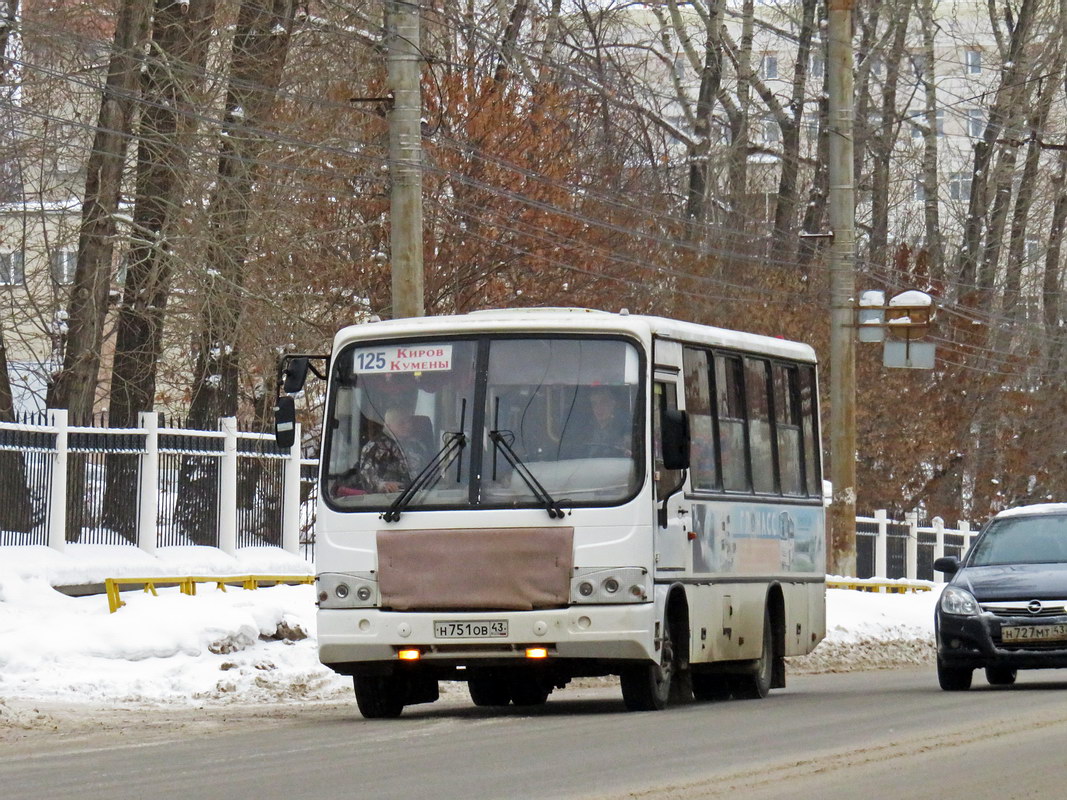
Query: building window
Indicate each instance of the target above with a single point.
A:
(63, 264)
(12, 272)
(918, 64)
(918, 123)
(919, 191)
(772, 134)
(1033, 249)
(972, 61)
(818, 66)
(959, 186)
(976, 122)
(768, 66)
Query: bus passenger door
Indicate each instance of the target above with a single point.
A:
(672, 509)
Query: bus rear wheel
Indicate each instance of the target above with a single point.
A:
(646, 687)
(379, 696)
(757, 684)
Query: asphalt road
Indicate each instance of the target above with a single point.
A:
(882, 734)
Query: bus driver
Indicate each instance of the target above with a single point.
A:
(389, 461)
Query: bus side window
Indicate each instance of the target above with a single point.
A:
(667, 480)
(701, 423)
(730, 408)
(809, 421)
(787, 427)
(761, 449)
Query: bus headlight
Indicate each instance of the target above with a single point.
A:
(347, 589)
(611, 585)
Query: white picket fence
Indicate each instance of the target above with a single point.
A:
(913, 547)
(272, 503)
(50, 456)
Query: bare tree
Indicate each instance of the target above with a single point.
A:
(76, 385)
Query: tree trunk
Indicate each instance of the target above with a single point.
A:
(1004, 105)
(260, 49)
(884, 139)
(1052, 280)
(75, 386)
(173, 79)
(935, 257)
(785, 208)
(698, 156)
(1023, 204)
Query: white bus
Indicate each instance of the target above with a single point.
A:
(517, 498)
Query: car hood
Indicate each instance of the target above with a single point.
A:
(1015, 582)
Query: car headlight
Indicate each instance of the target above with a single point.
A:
(960, 602)
(618, 585)
(346, 589)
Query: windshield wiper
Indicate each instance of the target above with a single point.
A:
(540, 492)
(428, 475)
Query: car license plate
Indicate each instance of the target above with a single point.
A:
(470, 629)
(1033, 633)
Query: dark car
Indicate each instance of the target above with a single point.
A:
(1005, 608)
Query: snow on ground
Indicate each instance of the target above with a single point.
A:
(258, 646)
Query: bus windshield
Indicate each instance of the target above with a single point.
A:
(483, 421)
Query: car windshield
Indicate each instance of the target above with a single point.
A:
(558, 420)
(1039, 539)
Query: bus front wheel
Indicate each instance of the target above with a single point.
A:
(489, 690)
(646, 687)
(379, 696)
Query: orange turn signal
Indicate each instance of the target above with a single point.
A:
(409, 655)
(537, 652)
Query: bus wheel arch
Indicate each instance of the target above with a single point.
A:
(768, 671)
(776, 614)
(649, 686)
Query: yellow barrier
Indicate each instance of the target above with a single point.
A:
(187, 584)
(874, 585)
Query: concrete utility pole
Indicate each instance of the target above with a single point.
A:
(405, 157)
(841, 558)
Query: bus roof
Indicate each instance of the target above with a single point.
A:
(575, 320)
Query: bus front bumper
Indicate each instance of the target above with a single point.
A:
(350, 638)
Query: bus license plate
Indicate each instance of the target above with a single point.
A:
(470, 629)
(1033, 633)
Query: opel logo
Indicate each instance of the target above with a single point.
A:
(1034, 606)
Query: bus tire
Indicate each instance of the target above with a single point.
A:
(489, 690)
(756, 685)
(379, 696)
(529, 690)
(647, 686)
(711, 686)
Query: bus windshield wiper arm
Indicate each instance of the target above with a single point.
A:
(540, 492)
(428, 475)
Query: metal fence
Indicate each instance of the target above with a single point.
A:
(896, 549)
(26, 455)
(153, 485)
(164, 485)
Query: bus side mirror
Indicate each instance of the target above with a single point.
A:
(675, 430)
(284, 422)
(294, 373)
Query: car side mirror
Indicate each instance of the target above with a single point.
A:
(284, 422)
(675, 434)
(950, 565)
